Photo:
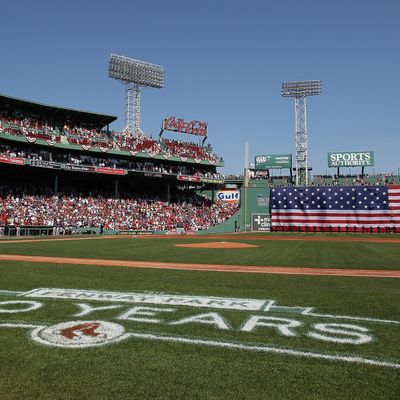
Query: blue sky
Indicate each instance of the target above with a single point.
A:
(224, 63)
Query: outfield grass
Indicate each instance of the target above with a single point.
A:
(299, 253)
(147, 369)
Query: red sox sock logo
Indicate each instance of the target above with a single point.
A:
(88, 329)
(79, 334)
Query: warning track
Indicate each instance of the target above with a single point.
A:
(206, 267)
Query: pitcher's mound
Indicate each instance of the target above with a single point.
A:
(218, 245)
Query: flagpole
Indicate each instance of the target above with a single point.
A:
(245, 182)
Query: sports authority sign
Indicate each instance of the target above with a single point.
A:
(134, 314)
(351, 159)
(273, 161)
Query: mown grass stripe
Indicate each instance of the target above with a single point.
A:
(265, 349)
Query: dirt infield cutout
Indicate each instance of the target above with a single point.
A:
(206, 267)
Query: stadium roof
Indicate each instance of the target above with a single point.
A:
(57, 113)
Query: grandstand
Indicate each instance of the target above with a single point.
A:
(64, 171)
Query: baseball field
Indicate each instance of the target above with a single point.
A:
(213, 317)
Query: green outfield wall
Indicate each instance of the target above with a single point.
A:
(254, 201)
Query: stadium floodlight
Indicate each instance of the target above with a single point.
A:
(135, 74)
(300, 90)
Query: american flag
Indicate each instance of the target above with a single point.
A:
(353, 206)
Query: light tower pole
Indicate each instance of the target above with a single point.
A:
(300, 90)
(135, 75)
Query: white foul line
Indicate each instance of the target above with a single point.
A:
(236, 346)
(9, 325)
(264, 349)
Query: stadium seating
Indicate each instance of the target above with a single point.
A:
(33, 127)
(20, 208)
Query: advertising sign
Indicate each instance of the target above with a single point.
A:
(267, 161)
(189, 178)
(79, 168)
(351, 159)
(260, 222)
(179, 125)
(12, 160)
(45, 164)
(229, 196)
(110, 171)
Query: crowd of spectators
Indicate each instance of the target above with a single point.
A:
(34, 126)
(183, 149)
(20, 208)
(366, 179)
(84, 159)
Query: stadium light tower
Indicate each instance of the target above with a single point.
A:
(300, 90)
(135, 75)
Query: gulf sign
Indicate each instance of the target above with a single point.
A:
(229, 196)
(351, 159)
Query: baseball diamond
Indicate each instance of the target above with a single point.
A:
(186, 238)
